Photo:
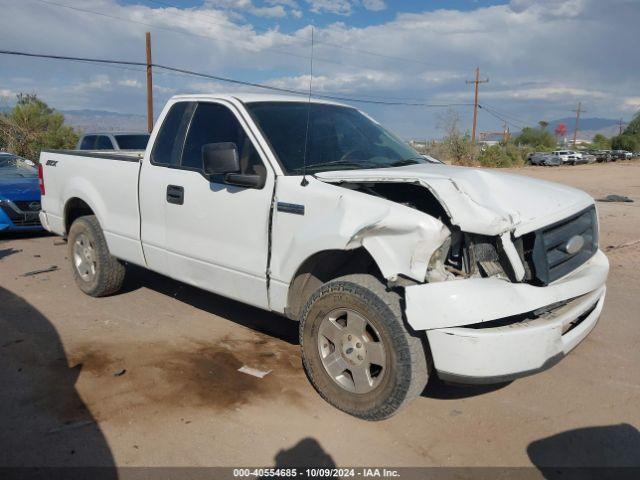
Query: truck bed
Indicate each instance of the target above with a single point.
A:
(94, 177)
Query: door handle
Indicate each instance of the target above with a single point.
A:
(175, 194)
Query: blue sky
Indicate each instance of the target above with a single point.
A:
(542, 57)
(357, 12)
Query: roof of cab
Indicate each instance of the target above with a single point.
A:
(256, 97)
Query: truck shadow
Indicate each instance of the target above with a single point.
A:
(24, 235)
(307, 453)
(44, 422)
(267, 323)
(242, 314)
(592, 452)
(439, 390)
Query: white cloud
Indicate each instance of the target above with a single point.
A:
(130, 82)
(339, 83)
(338, 7)
(558, 8)
(277, 11)
(286, 3)
(540, 63)
(230, 4)
(374, 5)
(631, 103)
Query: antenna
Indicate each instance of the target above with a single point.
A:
(305, 182)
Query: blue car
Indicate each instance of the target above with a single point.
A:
(19, 194)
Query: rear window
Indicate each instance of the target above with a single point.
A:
(104, 143)
(132, 142)
(88, 142)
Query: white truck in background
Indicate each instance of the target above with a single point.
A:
(397, 267)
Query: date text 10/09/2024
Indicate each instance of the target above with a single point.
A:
(316, 472)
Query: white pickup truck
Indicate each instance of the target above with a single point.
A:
(396, 266)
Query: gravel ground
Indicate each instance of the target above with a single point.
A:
(149, 377)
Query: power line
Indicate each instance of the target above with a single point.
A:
(229, 80)
(505, 114)
(498, 116)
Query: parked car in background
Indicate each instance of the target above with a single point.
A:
(19, 194)
(587, 158)
(600, 155)
(568, 157)
(113, 141)
(620, 155)
(544, 158)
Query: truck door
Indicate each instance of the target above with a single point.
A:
(211, 235)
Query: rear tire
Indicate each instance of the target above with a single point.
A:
(332, 341)
(95, 271)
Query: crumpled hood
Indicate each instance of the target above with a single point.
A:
(19, 188)
(480, 200)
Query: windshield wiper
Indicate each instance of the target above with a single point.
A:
(341, 163)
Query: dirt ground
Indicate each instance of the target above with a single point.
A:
(149, 377)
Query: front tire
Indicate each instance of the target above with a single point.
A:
(357, 351)
(95, 271)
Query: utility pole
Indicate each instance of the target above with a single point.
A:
(149, 85)
(505, 133)
(575, 130)
(621, 125)
(477, 81)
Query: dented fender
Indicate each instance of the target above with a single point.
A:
(400, 239)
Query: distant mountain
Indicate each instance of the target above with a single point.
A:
(88, 120)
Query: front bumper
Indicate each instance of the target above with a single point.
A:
(466, 349)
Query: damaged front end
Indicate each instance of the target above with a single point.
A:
(505, 293)
(461, 254)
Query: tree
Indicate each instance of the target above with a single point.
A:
(458, 147)
(543, 124)
(630, 138)
(600, 142)
(536, 137)
(32, 126)
(630, 143)
(634, 126)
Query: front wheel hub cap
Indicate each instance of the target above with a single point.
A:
(351, 351)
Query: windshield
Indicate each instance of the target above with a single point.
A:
(338, 138)
(14, 166)
(132, 142)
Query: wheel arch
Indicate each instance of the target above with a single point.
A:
(74, 208)
(324, 266)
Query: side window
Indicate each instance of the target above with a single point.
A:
(103, 143)
(88, 142)
(167, 148)
(214, 123)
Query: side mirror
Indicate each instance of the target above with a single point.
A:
(220, 158)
